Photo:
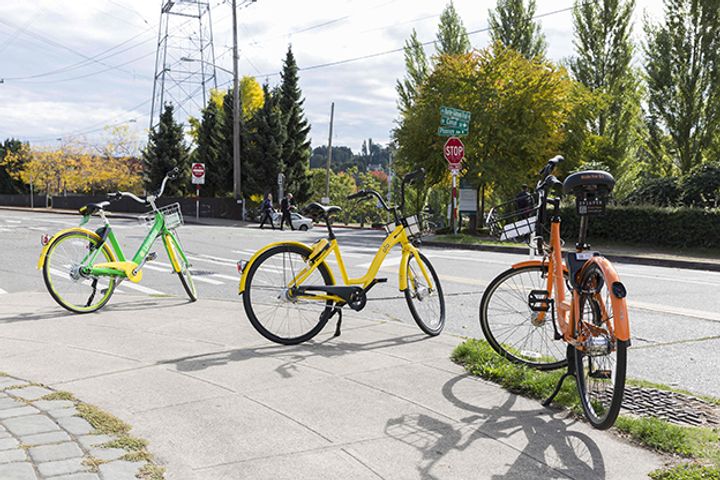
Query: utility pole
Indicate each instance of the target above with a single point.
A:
(237, 179)
(329, 158)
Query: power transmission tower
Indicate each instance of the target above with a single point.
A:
(185, 58)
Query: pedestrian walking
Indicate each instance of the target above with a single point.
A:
(286, 206)
(267, 211)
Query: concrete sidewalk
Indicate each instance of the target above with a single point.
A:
(217, 401)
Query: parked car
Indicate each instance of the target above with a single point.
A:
(299, 222)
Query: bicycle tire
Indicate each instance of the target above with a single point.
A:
(593, 389)
(262, 270)
(183, 272)
(522, 350)
(53, 274)
(413, 296)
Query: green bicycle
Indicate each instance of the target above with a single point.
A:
(82, 268)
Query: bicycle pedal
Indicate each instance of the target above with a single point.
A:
(601, 374)
(539, 300)
(381, 280)
(152, 256)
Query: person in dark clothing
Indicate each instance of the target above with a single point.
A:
(285, 208)
(524, 202)
(267, 211)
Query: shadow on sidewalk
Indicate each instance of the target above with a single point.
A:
(291, 355)
(547, 440)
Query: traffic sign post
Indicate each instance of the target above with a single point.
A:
(198, 178)
(454, 152)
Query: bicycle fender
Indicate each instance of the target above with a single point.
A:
(43, 253)
(256, 255)
(533, 263)
(617, 296)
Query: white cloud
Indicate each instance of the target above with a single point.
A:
(364, 91)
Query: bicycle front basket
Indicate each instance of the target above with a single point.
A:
(509, 222)
(172, 213)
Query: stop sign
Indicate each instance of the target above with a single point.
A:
(454, 151)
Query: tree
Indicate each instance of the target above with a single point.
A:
(523, 112)
(266, 149)
(683, 77)
(296, 149)
(417, 68)
(252, 96)
(210, 148)
(166, 150)
(603, 64)
(512, 25)
(452, 38)
(9, 181)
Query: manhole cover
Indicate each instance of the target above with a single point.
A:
(671, 406)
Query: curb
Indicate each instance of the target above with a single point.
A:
(634, 260)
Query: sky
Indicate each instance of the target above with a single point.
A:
(68, 68)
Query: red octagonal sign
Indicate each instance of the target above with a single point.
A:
(454, 151)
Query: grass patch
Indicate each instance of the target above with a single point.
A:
(60, 396)
(466, 239)
(102, 421)
(93, 463)
(701, 444)
(687, 471)
(150, 471)
(127, 442)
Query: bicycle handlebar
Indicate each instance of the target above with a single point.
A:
(171, 175)
(358, 194)
(369, 193)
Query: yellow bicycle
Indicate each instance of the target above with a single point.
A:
(290, 293)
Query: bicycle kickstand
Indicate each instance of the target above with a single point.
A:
(335, 310)
(570, 355)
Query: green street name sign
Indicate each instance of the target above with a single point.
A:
(453, 122)
(455, 113)
(451, 132)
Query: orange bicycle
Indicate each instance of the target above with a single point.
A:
(525, 311)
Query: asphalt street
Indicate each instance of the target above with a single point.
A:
(674, 317)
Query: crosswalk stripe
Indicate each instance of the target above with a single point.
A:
(203, 279)
(2, 291)
(216, 262)
(157, 269)
(226, 277)
(142, 289)
(219, 259)
(387, 263)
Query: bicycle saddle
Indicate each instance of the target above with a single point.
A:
(588, 180)
(317, 208)
(91, 208)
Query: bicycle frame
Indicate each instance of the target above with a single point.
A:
(324, 248)
(119, 266)
(568, 311)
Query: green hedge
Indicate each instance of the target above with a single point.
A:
(670, 227)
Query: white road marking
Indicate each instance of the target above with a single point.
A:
(12, 221)
(685, 312)
(226, 277)
(158, 269)
(389, 262)
(2, 291)
(220, 259)
(204, 279)
(142, 289)
(215, 262)
(662, 278)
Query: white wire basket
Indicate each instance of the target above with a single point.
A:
(172, 213)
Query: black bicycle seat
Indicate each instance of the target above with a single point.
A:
(588, 180)
(316, 208)
(91, 208)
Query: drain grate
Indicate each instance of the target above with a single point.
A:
(674, 407)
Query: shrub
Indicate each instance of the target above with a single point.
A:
(670, 227)
(701, 187)
(661, 192)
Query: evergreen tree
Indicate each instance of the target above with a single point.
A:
(683, 77)
(417, 68)
(7, 183)
(452, 37)
(604, 53)
(166, 150)
(210, 148)
(512, 25)
(265, 156)
(225, 158)
(296, 149)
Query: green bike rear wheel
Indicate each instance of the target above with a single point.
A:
(65, 272)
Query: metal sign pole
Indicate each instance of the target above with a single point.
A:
(197, 203)
(454, 203)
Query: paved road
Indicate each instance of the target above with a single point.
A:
(674, 315)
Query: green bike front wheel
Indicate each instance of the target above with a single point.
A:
(66, 272)
(180, 265)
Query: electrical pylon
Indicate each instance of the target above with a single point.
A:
(185, 59)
